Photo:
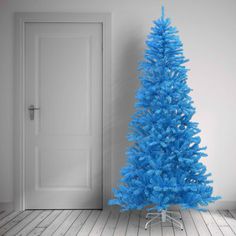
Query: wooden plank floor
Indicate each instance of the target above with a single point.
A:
(113, 223)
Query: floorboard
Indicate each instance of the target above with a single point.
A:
(211, 224)
(111, 222)
(142, 222)
(90, 222)
(56, 223)
(32, 225)
(36, 232)
(133, 225)
(64, 227)
(219, 219)
(100, 223)
(16, 220)
(78, 223)
(226, 230)
(177, 231)
(200, 223)
(156, 230)
(229, 219)
(4, 214)
(48, 221)
(22, 224)
(233, 213)
(167, 231)
(122, 224)
(8, 218)
(189, 224)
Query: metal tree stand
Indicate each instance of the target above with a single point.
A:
(164, 216)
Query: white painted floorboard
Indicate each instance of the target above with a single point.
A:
(110, 222)
(64, 227)
(100, 223)
(9, 225)
(31, 226)
(50, 230)
(133, 225)
(122, 224)
(78, 223)
(230, 219)
(189, 224)
(22, 224)
(211, 224)
(200, 223)
(177, 231)
(90, 222)
(142, 222)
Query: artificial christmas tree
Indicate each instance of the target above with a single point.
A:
(163, 166)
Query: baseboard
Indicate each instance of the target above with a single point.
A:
(218, 205)
(221, 205)
(6, 206)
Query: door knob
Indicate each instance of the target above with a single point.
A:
(31, 109)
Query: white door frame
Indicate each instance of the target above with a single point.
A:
(19, 94)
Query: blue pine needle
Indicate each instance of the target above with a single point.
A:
(163, 166)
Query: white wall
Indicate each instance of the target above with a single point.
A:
(208, 31)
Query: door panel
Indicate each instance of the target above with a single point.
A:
(69, 163)
(63, 74)
(72, 64)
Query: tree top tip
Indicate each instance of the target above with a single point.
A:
(162, 12)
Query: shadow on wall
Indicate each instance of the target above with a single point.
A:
(123, 93)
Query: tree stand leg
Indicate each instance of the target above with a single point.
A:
(164, 216)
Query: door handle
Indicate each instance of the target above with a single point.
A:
(31, 109)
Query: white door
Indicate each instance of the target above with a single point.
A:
(63, 79)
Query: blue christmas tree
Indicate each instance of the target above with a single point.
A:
(163, 166)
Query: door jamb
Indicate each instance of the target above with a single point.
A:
(21, 18)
